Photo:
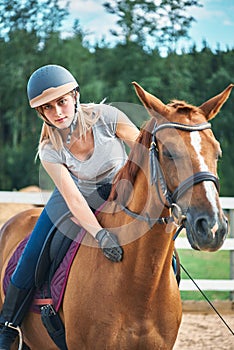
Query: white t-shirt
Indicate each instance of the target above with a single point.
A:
(109, 153)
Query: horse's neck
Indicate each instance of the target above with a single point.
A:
(146, 272)
(151, 252)
(145, 200)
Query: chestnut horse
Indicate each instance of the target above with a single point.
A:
(169, 180)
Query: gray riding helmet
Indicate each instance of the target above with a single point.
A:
(48, 83)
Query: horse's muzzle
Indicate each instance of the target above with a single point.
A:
(204, 232)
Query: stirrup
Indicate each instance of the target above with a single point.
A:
(20, 334)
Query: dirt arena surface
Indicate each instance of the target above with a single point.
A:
(205, 332)
(198, 331)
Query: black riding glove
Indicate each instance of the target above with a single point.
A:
(108, 242)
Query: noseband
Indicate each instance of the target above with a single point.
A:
(158, 179)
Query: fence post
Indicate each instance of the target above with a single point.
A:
(231, 223)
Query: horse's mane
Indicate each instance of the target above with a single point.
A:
(127, 175)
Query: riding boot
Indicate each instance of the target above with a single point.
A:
(16, 304)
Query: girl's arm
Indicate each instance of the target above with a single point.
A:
(81, 211)
(126, 130)
(73, 197)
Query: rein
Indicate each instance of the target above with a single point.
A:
(157, 178)
(150, 221)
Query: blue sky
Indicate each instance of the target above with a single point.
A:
(214, 21)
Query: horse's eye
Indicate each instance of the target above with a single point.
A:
(170, 154)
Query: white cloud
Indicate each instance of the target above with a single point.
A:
(85, 6)
(228, 23)
(218, 10)
(214, 14)
(93, 18)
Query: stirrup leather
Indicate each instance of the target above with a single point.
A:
(20, 334)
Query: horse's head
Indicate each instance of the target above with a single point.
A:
(187, 154)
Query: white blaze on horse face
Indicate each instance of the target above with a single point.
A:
(209, 185)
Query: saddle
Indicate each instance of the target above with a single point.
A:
(55, 248)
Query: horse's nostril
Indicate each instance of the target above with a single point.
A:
(202, 226)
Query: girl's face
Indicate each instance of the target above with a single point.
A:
(60, 112)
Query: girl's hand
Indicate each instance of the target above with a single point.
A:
(109, 244)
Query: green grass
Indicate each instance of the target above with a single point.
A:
(205, 265)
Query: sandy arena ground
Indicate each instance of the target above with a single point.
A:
(198, 331)
(205, 332)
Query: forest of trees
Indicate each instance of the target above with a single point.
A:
(31, 35)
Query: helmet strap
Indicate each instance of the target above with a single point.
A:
(74, 122)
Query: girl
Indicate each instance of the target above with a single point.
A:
(81, 148)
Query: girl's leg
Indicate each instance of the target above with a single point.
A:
(23, 276)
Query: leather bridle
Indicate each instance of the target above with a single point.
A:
(158, 179)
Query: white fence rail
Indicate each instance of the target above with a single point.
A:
(214, 285)
(37, 198)
(205, 285)
(40, 198)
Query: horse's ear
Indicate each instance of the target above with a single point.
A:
(152, 103)
(213, 105)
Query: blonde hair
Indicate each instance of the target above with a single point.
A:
(86, 118)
